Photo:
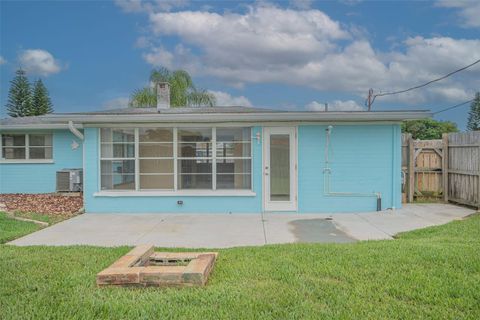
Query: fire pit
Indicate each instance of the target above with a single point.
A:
(143, 267)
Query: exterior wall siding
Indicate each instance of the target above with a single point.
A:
(363, 158)
(151, 204)
(41, 177)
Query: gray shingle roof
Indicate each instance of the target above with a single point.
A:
(205, 115)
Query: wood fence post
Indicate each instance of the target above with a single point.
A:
(445, 166)
(411, 168)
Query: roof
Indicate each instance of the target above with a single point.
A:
(204, 115)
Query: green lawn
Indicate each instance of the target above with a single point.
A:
(432, 273)
(11, 229)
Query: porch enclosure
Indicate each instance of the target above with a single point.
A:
(446, 169)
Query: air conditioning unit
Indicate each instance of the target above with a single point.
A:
(70, 180)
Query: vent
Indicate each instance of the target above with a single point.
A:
(69, 180)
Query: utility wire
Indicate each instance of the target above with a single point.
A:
(423, 85)
(453, 107)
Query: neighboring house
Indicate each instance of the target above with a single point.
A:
(211, 160)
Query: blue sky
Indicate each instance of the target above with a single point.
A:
(284, 55)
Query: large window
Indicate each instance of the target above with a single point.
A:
(117, 154)
(155, 152)
(26, 146)
(176, 158)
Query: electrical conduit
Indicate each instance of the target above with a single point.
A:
(327, 171)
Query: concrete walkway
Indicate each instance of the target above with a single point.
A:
(229, 230)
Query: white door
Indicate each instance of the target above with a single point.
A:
(279, 170)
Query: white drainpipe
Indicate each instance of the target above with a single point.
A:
(327, 171)
(75, 131)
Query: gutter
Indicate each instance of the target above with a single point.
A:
(243, 117)
(75, 131)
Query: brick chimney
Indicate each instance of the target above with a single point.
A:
(163, 96)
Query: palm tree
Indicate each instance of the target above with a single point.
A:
(182, 91)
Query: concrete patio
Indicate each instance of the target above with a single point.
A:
(230, 230)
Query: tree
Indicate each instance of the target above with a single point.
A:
(182, 90)
(19, 96)
(426, 129)
(473, 123)
(41, 103)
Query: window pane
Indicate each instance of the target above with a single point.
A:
(118, 167)
(234, 181)
(118, 182)
(40, 152)
(195, 181)
(155, 135)
(156, 166)
(280, 167)
(233, 165)
(13, 153)
(198, 135)
(117, 135)
(194, 166)
(230, 149)
(156, 181)
(233, 134)
(13, 140)
(118, 174)
(155, 150)
(40, 140)
(194, 150)
(118, 150)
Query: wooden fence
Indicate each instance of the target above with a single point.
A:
(447, 169)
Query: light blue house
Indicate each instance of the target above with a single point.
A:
(211, 160)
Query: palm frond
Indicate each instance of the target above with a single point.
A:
(141, 98)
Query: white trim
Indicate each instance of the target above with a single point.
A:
(175, 160)
(136, 151)
(178, 193)
(39, 126)
(214, 158)
(241, 117)
(232, 124)
(18, 161)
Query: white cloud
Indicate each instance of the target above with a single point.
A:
(225, 99)
(468, 11)
(336, 105)
(2, 60)
(160, 57)
(39, 62)
(117, 103)
(268, 44)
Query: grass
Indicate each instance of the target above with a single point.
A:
(11, 229)
(430, 273)
(50, 219)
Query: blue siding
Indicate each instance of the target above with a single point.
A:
(40, 177)
(125, 204)
(363, 158)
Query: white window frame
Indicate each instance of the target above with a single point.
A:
(135, 158)
(27, 148)
(176, 190)
(138, 158)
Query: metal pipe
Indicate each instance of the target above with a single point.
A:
(75, 131)
(327, 172)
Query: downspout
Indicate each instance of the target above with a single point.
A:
(75, 131)
(327, 171)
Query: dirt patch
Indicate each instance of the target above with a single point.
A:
(48, 204)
